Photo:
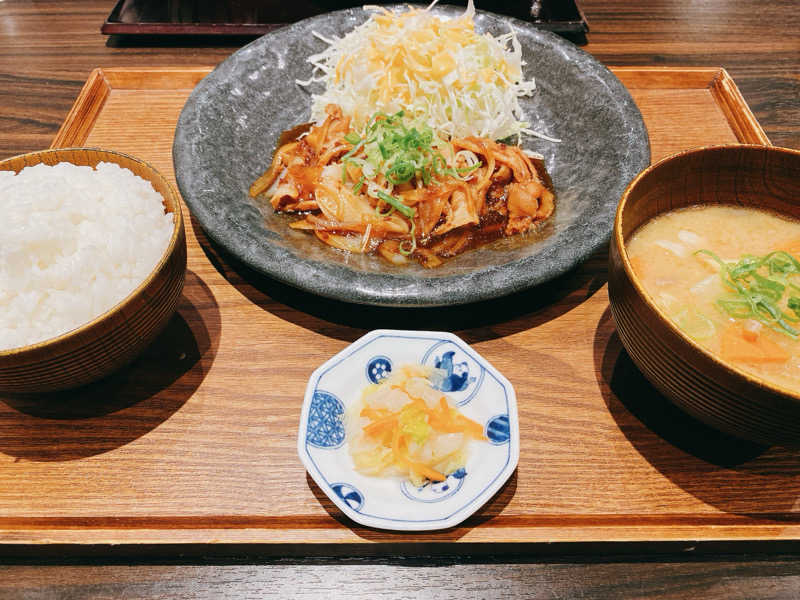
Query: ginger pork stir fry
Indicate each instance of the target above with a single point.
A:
(398, 189)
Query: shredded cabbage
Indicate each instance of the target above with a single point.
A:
(461, 83)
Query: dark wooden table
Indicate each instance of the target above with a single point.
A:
(48, 48)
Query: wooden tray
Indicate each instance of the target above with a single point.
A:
(195, 442)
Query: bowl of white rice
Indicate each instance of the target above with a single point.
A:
(92, 264)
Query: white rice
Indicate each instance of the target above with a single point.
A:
(74, 242)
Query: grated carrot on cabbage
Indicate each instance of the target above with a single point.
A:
(440, 70)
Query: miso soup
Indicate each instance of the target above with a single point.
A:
(729, 277)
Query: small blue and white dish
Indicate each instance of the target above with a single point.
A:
(481, 393)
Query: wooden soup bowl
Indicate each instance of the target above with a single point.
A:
(717, 393)
(116, 337)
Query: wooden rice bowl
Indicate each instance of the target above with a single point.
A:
(116, 337)
(717, 393)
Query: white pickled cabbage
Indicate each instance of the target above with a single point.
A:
(403, 427)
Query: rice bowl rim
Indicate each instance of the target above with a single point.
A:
(107, 156)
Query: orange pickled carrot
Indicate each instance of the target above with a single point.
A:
(426, 471)
(374, 413)
(440, 422)
(418, 403)
(380, 426)
(471, 428)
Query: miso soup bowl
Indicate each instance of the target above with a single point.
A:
(116, 337)
(713, 391)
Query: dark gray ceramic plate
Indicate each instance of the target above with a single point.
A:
(230, 125)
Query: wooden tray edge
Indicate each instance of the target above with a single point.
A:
(365, 537)
(84, 112)
(78, 123)
(88, 105)
(736, 110)
(155, 78)
(666, 77)
(723, 90)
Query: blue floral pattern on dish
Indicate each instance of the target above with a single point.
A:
(462, 375)
(378, 368)
(456, 377)
(325, 421)
(498, 430)
(349, 494)
(435, 492)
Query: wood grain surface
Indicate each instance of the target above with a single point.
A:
(48, 50)
(721, 579)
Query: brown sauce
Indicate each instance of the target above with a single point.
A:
(293, 134)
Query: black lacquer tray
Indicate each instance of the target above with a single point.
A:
(256, 17)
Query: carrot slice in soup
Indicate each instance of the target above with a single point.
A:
(735, 347)
(792, 247)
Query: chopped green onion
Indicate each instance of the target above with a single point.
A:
(465, 170)
(738, 309)
(403, 152)
(782, 262)
(768, 286)
(353, 150)
(426, 176)
(412, 242)
(794, 304)
(400, 173)
(757, 296)
(391, 200)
